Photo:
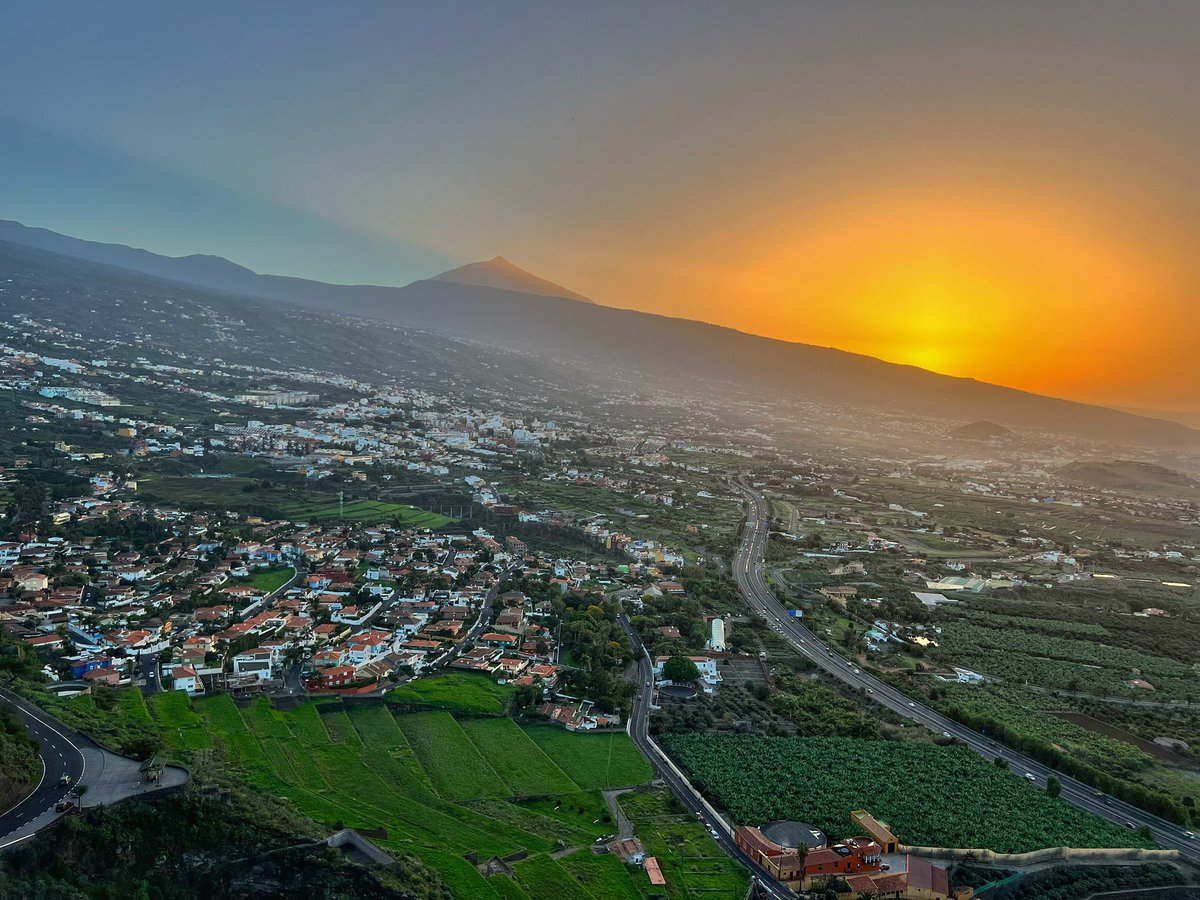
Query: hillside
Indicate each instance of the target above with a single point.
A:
(981, 431)
(676, 355)
(1128, 475)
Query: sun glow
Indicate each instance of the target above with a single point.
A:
(1009, 289)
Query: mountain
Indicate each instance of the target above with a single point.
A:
(211, 271)
(499, 273)
(642, 351)
(1128, 475)
(980, 431)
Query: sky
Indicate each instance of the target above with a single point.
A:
(1000, 190)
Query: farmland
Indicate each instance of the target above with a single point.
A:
(440, 788)
(593, 760)
(459, 692)
(246, 495)
(694, 866)
(947, 797)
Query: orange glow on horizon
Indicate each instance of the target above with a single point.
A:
(1014, 290)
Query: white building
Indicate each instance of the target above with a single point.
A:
(716, 640)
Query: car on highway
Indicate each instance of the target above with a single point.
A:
(947, 734)
(1029, 776)
(912, 706)
(1131, 826)
(1190, 835)
(64, 781)
(857, 672)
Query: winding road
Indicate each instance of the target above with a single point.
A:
(638, 728)
(748, 571)
(60, 756)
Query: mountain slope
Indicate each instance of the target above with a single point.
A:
(628, 347)
(1129, 475)
(498, 272)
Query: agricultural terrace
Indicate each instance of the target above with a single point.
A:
(932, 796)
(461, 692)
(440, 788)
(693, 865)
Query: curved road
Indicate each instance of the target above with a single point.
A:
(60, 756)
(638, 728)
(748, 571)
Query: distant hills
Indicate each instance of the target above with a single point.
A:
(1128, 475)
(499, 304)
(981, 431)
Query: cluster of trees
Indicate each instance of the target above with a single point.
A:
(1071, 882)
(596, 647)
(187, 846)
(19, 764)
(1139, 795)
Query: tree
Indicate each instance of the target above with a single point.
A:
(681, 670)
(1053, 786)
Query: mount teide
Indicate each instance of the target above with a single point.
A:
(497, 303)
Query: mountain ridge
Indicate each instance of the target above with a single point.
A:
(681, 356)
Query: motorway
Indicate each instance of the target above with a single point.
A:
(60, 756)
(748, 570)
(638, 728)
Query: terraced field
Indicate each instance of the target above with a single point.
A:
(439, 787)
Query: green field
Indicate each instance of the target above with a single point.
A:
(181, 728)
(268, 579)
(244, 495)
(593, 761)
(692, 863)
(440, 788)
(522, 765)
(932, 796)
(460, 692)
(319, 510)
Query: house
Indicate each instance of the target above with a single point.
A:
(816, 866)
(495, 639)
(336, 677)
(256, 662)
(184, 678)
(710, 677)
(102, 676)
(83, 665)
(920, 880)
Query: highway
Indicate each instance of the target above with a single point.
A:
(60, 756)
(758, 594)
(638, 728)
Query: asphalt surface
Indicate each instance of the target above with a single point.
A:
(148, 672)
(60, 756)
(748, 571)
(638, 728)
(482, 623)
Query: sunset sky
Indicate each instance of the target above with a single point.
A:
(1003, 190)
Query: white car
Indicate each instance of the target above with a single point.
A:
(1029, 776)
(912, 706)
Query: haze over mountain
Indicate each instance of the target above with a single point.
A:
(627, 346)
(498, 272)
